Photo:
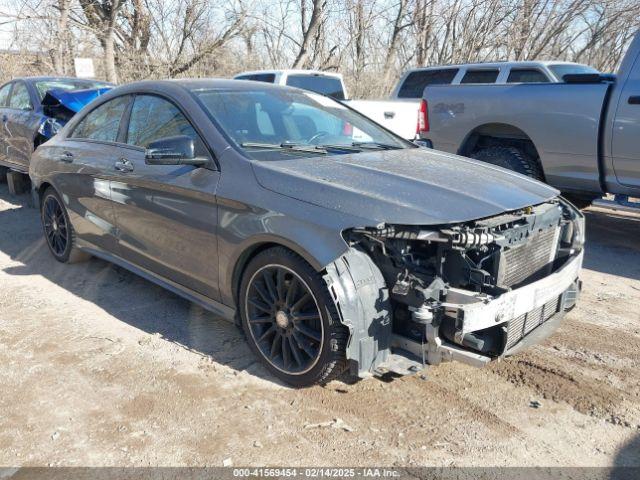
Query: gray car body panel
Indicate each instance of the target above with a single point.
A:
(216, 217)
(585, 134)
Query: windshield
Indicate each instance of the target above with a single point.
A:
(72, 84)
(318, 83)
(275, 124)
(562, 69)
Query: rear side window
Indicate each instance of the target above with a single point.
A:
(259, 77)
(20, 97)
(4, 95)
(415, 83)
(102, 123)
(526, 75)
(325, 85)
(480, 76)
(562, 69)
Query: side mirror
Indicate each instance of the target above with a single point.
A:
(178, 150)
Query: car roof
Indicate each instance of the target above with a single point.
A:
(53, 79)
(515, 63)
(294, 71)
(191, 84)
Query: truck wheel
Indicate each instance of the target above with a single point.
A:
(58, 230)
(290, 320)
(511, 158)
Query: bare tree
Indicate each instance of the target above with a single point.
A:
(310, 24)
(370, 41)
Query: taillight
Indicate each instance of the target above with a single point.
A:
(423, 118)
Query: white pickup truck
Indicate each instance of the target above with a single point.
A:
(399, 116)
(399, 113)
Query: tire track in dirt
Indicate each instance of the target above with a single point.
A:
(569, 380)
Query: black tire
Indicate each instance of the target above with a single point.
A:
(511, 158)
(57, 229)
(296, 306)
(3, 174)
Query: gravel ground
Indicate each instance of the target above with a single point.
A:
(100, 367)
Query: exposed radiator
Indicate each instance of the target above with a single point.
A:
(521, 326)
(529, 261)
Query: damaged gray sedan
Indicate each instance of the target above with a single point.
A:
(339, 247)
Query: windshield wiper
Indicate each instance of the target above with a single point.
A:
(375, 145)
(293, 147)
(346, 148)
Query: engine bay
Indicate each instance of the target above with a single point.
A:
(439, 277)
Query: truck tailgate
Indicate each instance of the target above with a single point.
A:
(398, 116)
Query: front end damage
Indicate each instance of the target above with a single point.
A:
(473, 292)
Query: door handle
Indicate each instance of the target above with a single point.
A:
(66, 157)
(634, 100)
(389, 115)
(124, 165)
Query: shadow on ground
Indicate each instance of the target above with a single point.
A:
(627, 461)
(613, 243)
(124, 295)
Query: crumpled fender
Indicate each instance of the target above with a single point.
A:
(361, 297)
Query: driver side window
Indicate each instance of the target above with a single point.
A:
(153, 118)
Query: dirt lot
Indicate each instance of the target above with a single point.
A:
(100, 367)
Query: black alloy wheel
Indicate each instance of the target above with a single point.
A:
(284, 319)
(290, 319)
(55, 225)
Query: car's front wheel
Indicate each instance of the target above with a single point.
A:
(58, 230)
(290, 320)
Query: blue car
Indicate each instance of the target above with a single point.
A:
(33, 109)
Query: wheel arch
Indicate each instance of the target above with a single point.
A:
(258, 245)
(497, 133)
(41, 188)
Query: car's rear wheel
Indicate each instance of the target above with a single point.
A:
(290, 320)
(511, 158)
(58, 231)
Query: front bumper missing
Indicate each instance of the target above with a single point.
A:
(475, 313)
(479, 312)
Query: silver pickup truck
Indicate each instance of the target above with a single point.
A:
(581, 136)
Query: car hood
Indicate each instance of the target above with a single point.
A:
(72, 100)
(408, 186)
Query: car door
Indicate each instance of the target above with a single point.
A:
(166, 214)
(5, 93)
(85, 167)
(21, 121)
(625, 144)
